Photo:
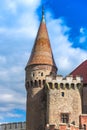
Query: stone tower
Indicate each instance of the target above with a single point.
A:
(40, 64)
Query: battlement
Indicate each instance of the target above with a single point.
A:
(13, 126)
(60, 82)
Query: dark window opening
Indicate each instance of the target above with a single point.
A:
(61, 85)
(84, 126)
(33, 74)
(36, 83)
(42, 74)
(67, 85)
(40, 82)
(50, 84)
(56, 85)
(72, 86)
(44, 82)
(31, 83)
(65, 118)
(62, 94)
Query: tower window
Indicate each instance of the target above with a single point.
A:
(84, 126)
(42, 74)
(62, 94)
(36, 83)
(65, 118)
(40, 82)
(44, 82)
(33, 74)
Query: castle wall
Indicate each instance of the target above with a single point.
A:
(63, 98)
(13, 126)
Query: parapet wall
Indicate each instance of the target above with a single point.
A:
(13, 126)
(60, 82)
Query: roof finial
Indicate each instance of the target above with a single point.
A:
(43, 19)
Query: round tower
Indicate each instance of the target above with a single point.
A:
(40, 64)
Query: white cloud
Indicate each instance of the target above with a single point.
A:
(14, 115)
(83, 35)
(66, 56)
(14, 5)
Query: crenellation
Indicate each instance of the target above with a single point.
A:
(13, 126)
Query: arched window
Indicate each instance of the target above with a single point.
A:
(62, 94)
(72, 86)
(50, 84)
(61, 85)
(44, 81)
(67, 85)
(84, 127)
(40, 83)
(78, 85)
(31, 83)
(56, 85)
(36, 83)
(42, 74)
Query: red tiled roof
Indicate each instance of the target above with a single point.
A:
(41, 52)
(81, 70)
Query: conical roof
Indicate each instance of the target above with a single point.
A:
(81, 70)
(41, 52)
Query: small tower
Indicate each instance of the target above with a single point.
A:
(40, 64)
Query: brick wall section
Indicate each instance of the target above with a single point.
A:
(73, 127)
(83, 121)
(62, 126)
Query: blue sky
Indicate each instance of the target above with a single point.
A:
(19, 21)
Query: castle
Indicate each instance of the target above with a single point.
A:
(53, 102)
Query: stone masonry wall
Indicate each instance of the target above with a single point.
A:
(36, 110)
(63, 100)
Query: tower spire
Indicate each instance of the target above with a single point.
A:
(43, 16)
(42, 52)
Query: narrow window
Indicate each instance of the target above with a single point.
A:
(31, 83)
(50, 84)
(65, 118)
(84, 127)
(33, 74)
(62, 94)
(56, 85)
(36, 83)
(44, 82)
(40, 82)
(42, 74)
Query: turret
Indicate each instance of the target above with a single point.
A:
(41, 63)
